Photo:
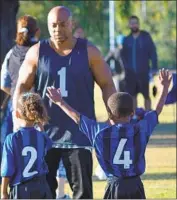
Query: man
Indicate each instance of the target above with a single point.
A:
(73, 65)
(138, 50)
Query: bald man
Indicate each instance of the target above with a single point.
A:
(73, 65)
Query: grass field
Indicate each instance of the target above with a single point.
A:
(160, 176)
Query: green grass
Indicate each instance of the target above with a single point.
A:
(160, 176)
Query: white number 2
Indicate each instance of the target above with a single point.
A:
(62, 74)
(126, 161)
(32, 159)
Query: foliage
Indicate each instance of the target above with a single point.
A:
(93, 17)
(160, 22)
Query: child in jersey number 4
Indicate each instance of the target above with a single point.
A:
(23, 167)
(120, 146)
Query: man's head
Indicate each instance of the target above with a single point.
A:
(79, 33)
(120, 105)
(60, 24)
(134, 24)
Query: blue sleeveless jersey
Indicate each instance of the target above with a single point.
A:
(73, 76)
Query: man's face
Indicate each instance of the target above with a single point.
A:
(134, 25)
(60, 27)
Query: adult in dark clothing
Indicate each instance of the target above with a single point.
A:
(118, 71)
(138, 50)
(73, 64)
(27, 35)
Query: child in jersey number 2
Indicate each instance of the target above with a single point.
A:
(120, 145)
(23, 167)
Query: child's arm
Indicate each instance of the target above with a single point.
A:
(4, 187)
(7, 165)
(89, 127)
(165, 80)
(55, 96)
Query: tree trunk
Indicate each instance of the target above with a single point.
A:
(8, 11)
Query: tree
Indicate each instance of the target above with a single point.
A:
(9, 9)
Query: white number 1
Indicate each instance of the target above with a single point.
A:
(126, 161)
(62, 74)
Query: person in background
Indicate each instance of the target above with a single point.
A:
(138, 50)
(79, 33)
(28, 34)
(118, 71)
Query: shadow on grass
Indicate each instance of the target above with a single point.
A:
(162, 142)
(155, 176)
(159, 176)
(165, 129)
(164, 135)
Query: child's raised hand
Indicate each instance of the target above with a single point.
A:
(165, 78)
(54, 94)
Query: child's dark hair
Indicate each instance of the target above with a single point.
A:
(32, 108)
(28, 22)
(120, 103)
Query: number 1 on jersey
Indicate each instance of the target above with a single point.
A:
(62, 74)
(126, 161)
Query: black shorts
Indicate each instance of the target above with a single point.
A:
(137, 84)
(36, 188)
(125, 188)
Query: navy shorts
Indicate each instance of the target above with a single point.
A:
(125, 188)
(136, 83)
(36, 188)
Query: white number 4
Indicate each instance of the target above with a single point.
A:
(126, 161)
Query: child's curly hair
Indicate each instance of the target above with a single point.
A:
(32, 108)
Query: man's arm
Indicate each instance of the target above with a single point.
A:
(152, 53)
(101, 72)
(109, 56)
(27, 73)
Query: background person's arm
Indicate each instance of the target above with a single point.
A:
(5, 77)
(26, 74)
(101, 72)
(152, 54)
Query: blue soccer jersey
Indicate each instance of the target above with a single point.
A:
(23, 155)
(120, 148)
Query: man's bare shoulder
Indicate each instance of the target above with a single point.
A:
(33, 54)
(93, 51)
(34, 49)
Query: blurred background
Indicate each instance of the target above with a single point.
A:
(156, 17)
